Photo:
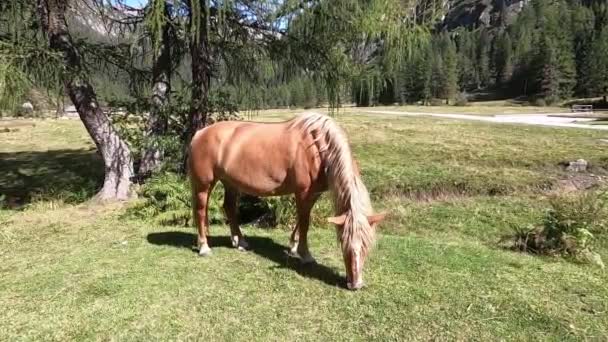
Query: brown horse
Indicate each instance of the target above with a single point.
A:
(305, 156)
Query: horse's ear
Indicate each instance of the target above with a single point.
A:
(337, 220)
(375, 219)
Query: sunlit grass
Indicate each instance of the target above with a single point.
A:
(438, 272)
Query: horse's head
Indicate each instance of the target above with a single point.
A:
(356, 236)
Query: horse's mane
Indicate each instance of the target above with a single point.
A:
(350, 196)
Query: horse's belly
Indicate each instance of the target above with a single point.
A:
(259, 185)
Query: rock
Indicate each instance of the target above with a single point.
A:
(480, 13)
(486, 16)
(27, 107)
(577, 166)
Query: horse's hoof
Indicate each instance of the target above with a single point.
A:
(204, 251)
(308, 259)
(292, 254)
(354, 287)
(293, 250)
(240, 243)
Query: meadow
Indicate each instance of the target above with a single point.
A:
(75, 270)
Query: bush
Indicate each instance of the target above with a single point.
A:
(461, 100)
(166, 198)
(437, 102)
(568, 227)
(282, 211)
(540, 102)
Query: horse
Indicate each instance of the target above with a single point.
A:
(305, 156)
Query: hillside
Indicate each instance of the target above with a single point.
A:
(481, 13)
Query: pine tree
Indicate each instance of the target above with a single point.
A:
(548, 71)
(483, 58)
(437, 74)
(565, 51)
(503, 58)
(309, 97)
(525, 39)
(415, 77)
(449, 80)
(583, 21)
(595, 78)
(468, 77)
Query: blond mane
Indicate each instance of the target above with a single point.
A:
(350, 196)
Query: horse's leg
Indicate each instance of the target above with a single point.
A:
(200, 196)
(231, 197)
(293, 241)
(304, 204)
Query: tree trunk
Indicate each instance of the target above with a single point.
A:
(161, 88)
(201, 79)
(114, 151)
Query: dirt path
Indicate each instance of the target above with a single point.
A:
(527, 119)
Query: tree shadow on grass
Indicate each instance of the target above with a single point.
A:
(261, 246)
(70, 175)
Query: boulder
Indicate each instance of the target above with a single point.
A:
(580, 165)
(27, 108)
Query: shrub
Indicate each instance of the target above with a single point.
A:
(461, 100)
(437, 102)
(282, 211)
(166, 198)
(568, 227)
(540, 102)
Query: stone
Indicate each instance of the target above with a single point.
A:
(27, 108)
(580, 165)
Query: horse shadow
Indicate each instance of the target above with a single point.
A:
(262, 246)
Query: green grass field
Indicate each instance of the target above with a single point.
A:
(71, 270)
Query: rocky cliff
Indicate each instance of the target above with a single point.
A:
(480, 13)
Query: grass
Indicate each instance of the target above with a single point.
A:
(47, 158)
(83, 272)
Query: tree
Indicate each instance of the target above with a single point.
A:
(437, 76)
(503, 59)
(156, 125)
(114, 151)
(595, 77)
(201, 64)
(359, 43)
(549, 74)
(583, 21)
(525, 38)
(449, 79)
(467, 60)
(563, 33)
(483, 58)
